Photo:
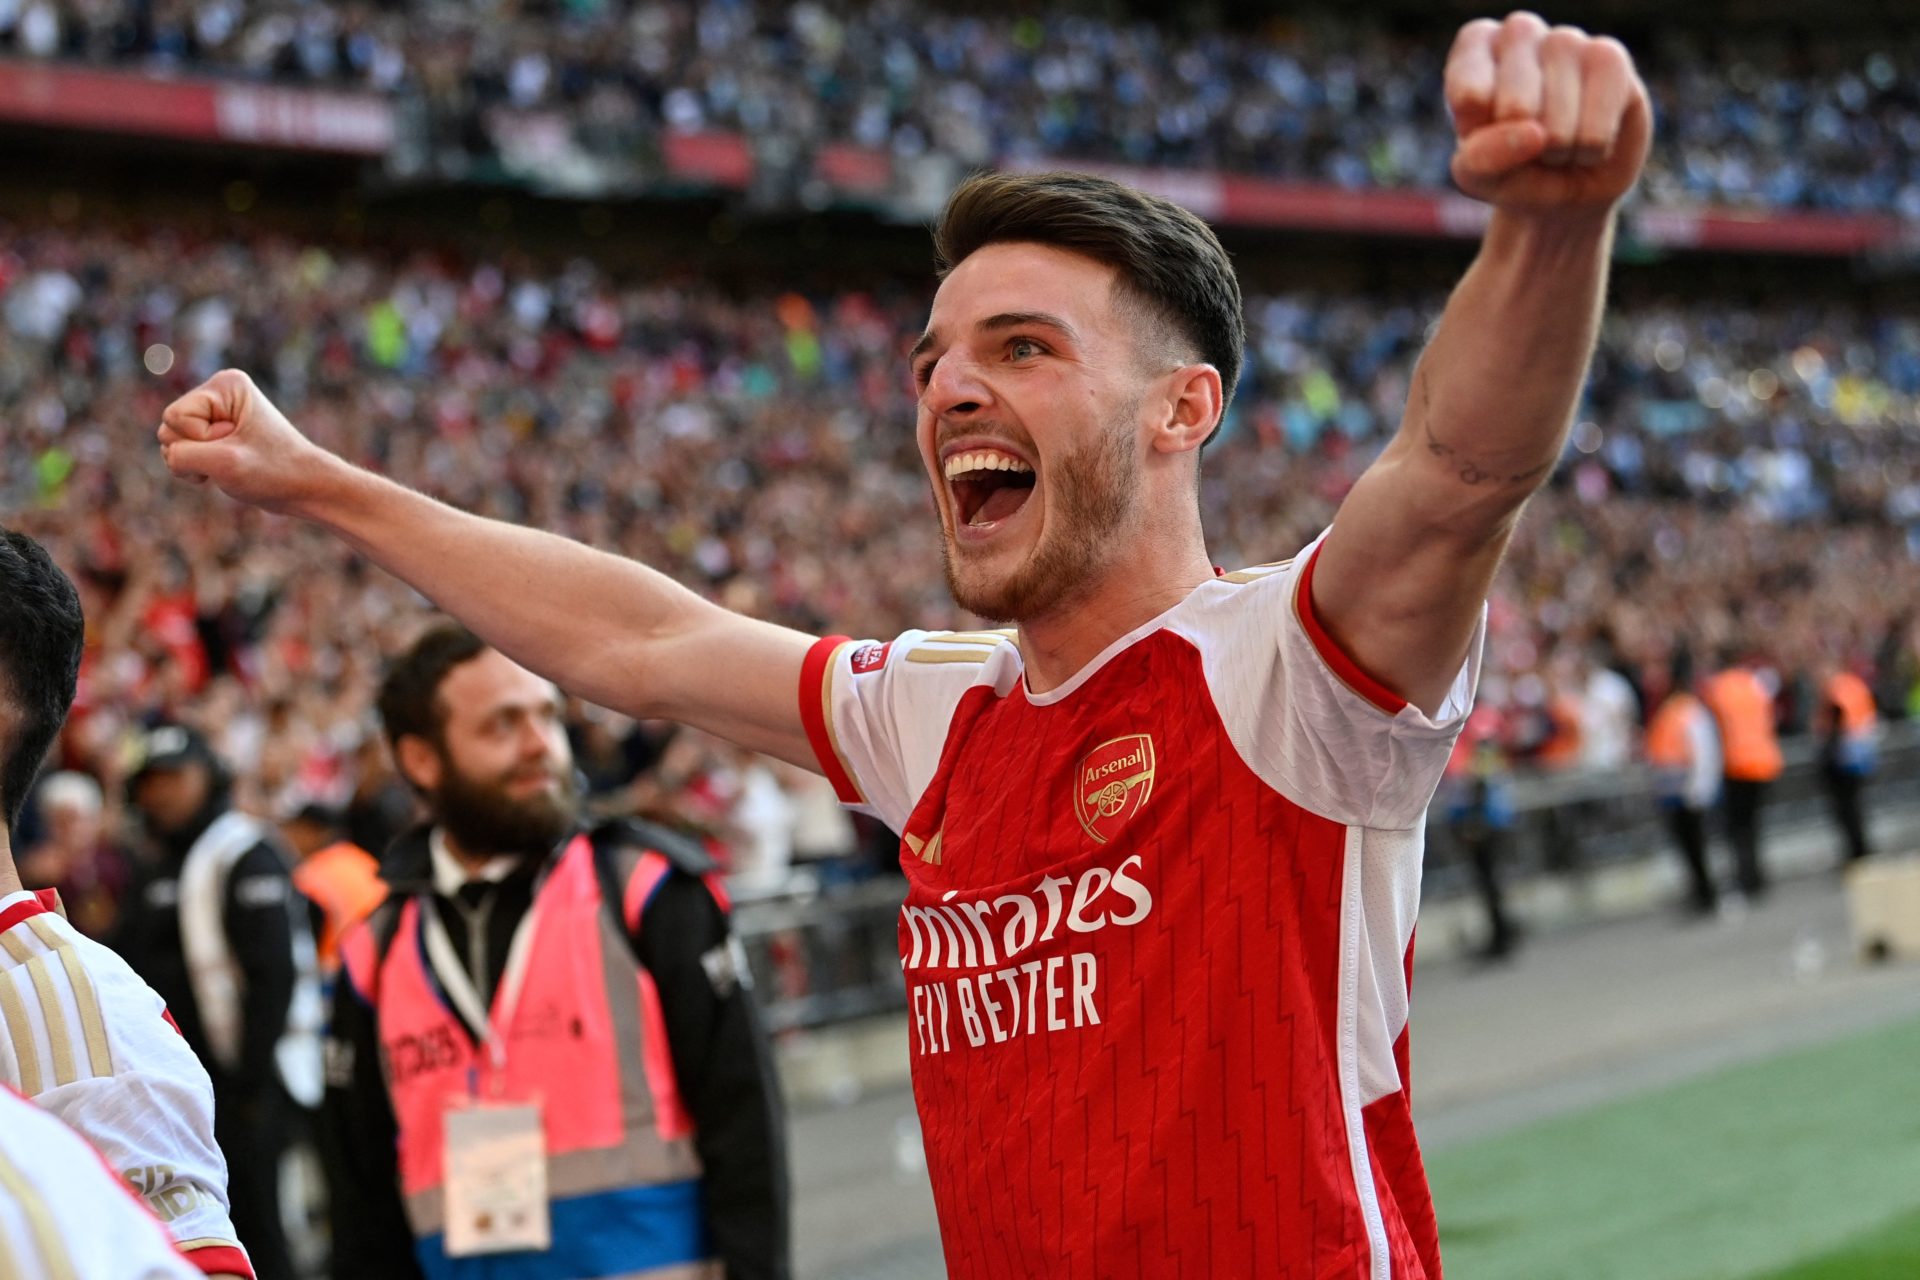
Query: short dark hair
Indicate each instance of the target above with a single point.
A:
(42, 635)
(410, 692)
(1166, 257)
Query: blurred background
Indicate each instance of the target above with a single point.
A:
(644, 274)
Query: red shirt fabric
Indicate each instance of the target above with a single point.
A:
(1157, 937)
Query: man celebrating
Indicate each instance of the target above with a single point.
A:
(523, 971)
(1163, 844)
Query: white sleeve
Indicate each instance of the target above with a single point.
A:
(1304, 716)
(877, 714)
(91, 1043)
(1703, 769)
(62, 1213)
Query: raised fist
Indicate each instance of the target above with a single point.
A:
(1548, 118)
(225, 431)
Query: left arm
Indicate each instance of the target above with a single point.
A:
(1553, 128)
(724, 1068)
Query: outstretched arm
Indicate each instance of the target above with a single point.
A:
(606, 628)
(1553, 128)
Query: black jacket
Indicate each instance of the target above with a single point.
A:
(720, 1057)
(259, 918)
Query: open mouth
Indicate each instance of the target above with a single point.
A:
(988, 486)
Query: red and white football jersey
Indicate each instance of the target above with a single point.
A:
(1157, 937)
(82, 1036)
(64, 1213)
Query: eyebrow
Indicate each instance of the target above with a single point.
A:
(993, 324)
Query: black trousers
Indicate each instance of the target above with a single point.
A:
(1689, 827)
(253, 1130)
(1845, 789)
(1485, 847)
(1745, 799)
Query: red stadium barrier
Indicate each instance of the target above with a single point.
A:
(71, 97)
(1820, 234)
(854, 170)
(715, 159)
(195, 110)
(1235, 200)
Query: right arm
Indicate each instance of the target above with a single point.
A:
(600, 626)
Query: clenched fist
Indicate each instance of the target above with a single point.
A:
(1548, 118)
(226, 431)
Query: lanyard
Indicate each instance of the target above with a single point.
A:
(458, 984)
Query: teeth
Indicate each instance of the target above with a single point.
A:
(983, 460)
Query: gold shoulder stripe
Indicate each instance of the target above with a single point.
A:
(86, 997)
(46, 1233)
(20, 1034)
(93, 1027)
(992, 639)
(12, 944)
(59, 1037)
(978, 656)
(1255, 572)
(205, 1242)
(9, 1260)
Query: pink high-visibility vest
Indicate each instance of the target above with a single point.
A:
(585, 1039)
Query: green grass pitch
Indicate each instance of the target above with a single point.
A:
(1804, 1166)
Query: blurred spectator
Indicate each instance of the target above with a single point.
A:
(1848, 728)
(74, 856)
(337, 876)
(1743, 706)
(215, 928)
(1683, 747)
(1609, 719)
(1479, 815)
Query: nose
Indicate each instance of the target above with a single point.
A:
(956, 389)
(538, 738)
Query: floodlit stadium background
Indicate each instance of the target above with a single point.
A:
(644, 273)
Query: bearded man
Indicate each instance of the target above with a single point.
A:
(1163, 841)
(568, 998)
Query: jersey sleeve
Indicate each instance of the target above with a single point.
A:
(877, 714)
(92, 1044)
(63, 1212)
(1304, 715)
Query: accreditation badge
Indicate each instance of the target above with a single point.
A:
(496, 1180)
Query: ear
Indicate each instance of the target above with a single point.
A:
(1192, 408)
(419, 762)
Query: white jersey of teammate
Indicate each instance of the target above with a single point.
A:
(63, 1214)
(88, 1041)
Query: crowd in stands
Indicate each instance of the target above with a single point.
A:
(1734, 480)
(1755, 119)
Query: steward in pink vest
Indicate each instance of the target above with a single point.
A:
(619, 1034)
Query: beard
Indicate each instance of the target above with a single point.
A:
(483, 819)
(1094, 493)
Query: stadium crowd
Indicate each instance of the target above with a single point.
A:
(1766, 120)
(761, 448)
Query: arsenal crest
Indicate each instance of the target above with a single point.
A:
(1112, 784)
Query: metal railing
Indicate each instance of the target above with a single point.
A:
(826, 956)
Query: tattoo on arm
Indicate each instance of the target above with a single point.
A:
(1468, 470)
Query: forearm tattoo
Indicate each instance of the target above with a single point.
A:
(1468, 470)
